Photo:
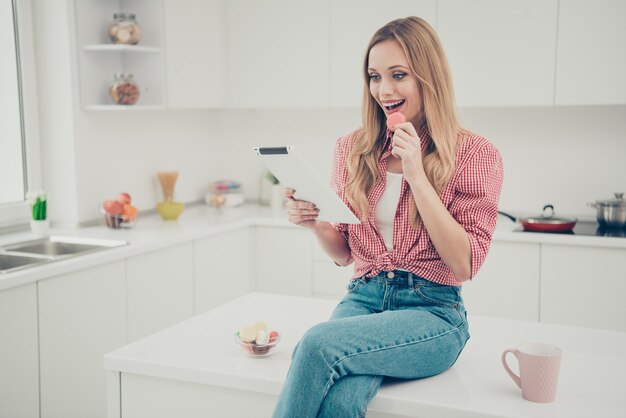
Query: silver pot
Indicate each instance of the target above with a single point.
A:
(611, 213)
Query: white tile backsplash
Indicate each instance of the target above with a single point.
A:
(566, 156)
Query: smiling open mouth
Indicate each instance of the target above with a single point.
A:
(394, 105)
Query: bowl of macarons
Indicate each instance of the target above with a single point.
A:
(256, 339)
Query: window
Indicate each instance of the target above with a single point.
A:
(18, 136)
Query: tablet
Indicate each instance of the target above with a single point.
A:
(294, 171)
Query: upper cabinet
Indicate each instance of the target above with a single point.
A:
(195, 54)
(277, 54)
(349, 36)
(99, 59)
(501, 53)
(591, 62)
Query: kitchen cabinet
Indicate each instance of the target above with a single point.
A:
(159, 288)
(501, 53)
(329, 279)
(277, 62)
(223, 266)
(99, 59)
(583, 286)
(82, 316)
(591, 63)
(283, 260)
(507, 285)
(19, 362)
(195, 54)
(349, 38)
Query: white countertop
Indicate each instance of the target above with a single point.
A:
(202, 350)
(196, 222)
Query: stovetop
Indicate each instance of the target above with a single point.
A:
(586, 229)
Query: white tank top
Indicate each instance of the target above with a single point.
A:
(386, 208)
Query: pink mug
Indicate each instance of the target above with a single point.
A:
(538, 370)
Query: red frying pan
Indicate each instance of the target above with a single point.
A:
(546, 222)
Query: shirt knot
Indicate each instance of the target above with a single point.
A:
(384, 262)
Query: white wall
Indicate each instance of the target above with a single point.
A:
(122, 152)
(566, 156)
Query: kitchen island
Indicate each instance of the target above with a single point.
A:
(194, 369)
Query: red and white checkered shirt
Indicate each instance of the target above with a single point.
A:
(471, 197)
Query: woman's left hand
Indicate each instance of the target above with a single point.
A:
(406, 144)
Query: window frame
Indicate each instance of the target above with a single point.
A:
(17, 214)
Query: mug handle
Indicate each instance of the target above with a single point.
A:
(515, 377)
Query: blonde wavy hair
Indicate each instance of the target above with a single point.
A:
(428, 63)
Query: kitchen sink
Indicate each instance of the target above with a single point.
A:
(12, 262)
(35, 252)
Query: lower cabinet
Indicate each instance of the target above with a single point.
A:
(85, 314)
(224, 268)
(19, 363)
(283, 260)
(329, 279)
(82, 316)
(507, 285)
(159, 288)
(583, 286)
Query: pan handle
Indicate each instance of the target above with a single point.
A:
(511, 217)
(546, 208)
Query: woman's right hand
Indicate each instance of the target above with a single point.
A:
(300, 212)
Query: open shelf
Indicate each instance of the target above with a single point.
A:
(99, 59)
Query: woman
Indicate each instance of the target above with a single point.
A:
(427, 196)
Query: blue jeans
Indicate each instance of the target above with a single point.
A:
(403, 327)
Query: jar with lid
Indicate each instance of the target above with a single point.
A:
(124, 90)
(124, 29)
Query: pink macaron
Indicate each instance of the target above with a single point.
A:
(394, 119)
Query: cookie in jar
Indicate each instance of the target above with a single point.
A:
(124, 29)
(124, 90)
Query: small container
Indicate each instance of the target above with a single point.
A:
(225, 193)
(40, 228)
(255, 350)
(117, 221)
(124, 90)
(124, 29)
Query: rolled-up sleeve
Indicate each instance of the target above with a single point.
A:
(475, 204)
(339, 178)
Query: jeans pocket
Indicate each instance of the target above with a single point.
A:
(439, 295)
(354, 284)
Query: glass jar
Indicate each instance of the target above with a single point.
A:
(124, 90)
(124, 29)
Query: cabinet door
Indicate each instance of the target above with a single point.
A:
(194, 46)
(82, 316)
(507, 285)
(501, 53)
(349, 37)
(277, 54)
(329, 279)
(591, 62)
(19, 363)
(223, 268)
(160, 290)
(283, 260)
(583, 286)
